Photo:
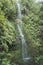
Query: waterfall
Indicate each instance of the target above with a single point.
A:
(19, 25)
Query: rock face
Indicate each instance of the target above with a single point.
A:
(18, 21)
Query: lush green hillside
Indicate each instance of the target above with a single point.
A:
(10, 42)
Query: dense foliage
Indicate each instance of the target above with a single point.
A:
(10, 42)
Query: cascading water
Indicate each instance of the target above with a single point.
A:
(19, 25)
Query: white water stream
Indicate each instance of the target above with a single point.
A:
(19, 25)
